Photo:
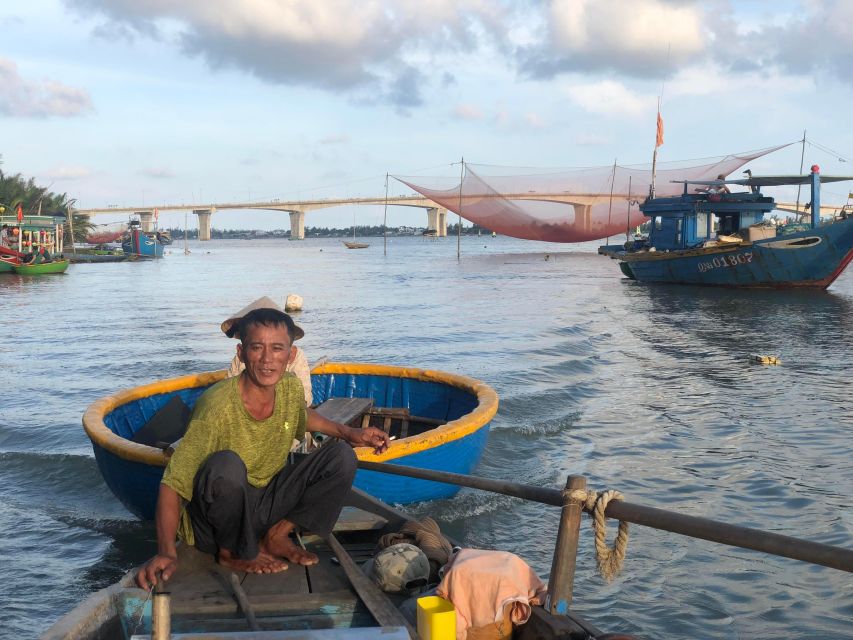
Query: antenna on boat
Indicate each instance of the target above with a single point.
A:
(385, 220)
(799, 186)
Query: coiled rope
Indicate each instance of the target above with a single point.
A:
(608, 560)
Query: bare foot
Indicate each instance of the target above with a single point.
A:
(277, 543)
(262, 563)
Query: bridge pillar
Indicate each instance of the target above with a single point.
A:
(145, 220)
(432, 220)
(442, 223)
(204, 222)
(583, 217)
(297, 225)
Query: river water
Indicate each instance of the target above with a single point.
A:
(646, 389)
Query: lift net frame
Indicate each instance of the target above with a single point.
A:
(567, 205)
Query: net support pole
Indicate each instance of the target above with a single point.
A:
(610, 206)
(459, 227)
(385, 220)
(628, 220)
(799, 186)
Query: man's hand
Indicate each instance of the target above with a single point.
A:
(369, 437)
(147, 576)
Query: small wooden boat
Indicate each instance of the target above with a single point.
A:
(438, 421)
(356, 245)
(41, 268)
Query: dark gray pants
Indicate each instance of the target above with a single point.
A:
(229, 513)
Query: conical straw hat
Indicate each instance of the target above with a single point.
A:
(230, 325)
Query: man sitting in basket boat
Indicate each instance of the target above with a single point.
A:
(228, 488)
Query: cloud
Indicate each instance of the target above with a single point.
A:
(467, 112)
(610, 98)
(70, 172)
(160, 173)
(812, 42)
(22, 98)
(362, 47)
(645, 38)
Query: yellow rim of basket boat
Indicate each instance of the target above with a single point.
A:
(487, 407)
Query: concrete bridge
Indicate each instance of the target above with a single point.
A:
(436, 214)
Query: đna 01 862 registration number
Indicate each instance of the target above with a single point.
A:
(730, 260)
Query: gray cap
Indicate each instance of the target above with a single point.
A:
(400, 568)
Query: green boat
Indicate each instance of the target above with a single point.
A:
(56, 266)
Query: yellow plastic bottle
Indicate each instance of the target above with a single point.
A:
(436, 619)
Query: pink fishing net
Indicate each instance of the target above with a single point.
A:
(573, 205)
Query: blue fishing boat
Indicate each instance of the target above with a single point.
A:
(437, 421)
(748, 249)
(146, 244)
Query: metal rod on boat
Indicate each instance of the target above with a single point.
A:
(565, 551)
(161, 617)
(692, 526)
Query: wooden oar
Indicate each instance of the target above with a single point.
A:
(375, 600)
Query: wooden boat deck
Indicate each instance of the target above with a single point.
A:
(300, 598)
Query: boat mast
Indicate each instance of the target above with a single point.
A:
(815, 182)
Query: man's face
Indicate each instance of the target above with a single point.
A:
(266, 353)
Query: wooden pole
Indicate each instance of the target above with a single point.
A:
(628, 220)
(610, 206)
(562, 579)
(702, 528)
(71, 227)
(459, 228)
(385, 221)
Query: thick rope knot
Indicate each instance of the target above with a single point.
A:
(608, 560)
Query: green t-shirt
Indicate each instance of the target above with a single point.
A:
(220, 422)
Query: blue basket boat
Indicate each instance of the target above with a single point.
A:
(442, 420)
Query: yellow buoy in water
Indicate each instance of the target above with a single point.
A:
(759, 359)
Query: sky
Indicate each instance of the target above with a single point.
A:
(147, 102)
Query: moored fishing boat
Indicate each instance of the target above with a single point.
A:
(438, 421)
(144, 244)
(356, 245)
(748, 251)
